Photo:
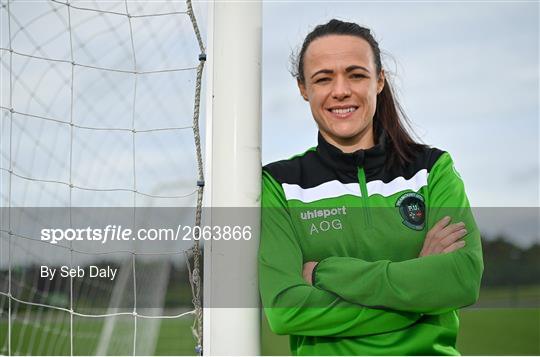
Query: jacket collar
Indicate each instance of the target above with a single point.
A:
(369, 159)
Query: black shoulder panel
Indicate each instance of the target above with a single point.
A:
(434, 155)
(306, 170)
(425, 159)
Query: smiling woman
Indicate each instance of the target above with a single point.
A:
(368, 244)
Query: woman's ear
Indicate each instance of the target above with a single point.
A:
(302, 88)
(380, 81)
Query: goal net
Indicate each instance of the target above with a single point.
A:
(100, 105)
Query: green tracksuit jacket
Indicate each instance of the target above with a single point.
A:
(365, 224)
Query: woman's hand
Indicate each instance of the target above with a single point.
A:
(444, 238)
(308, 271)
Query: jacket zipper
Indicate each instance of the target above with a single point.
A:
(363, 191)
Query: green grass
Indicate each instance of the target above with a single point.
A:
(48, 334)
(500, 331)
(171, 342)
(485, 331)
(482, 332)
(510, 296)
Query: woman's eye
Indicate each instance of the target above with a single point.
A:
(324, 79)
(358, 75)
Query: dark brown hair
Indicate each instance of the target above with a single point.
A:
(389, 115)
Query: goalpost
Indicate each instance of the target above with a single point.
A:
(233, 139)
(100, 115)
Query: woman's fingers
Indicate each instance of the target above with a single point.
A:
(444, 237)
(446, 231)
(431, 236)
(454, 246)
(453, 237)
(441, 224)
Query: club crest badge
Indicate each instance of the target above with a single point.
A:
(412, 209)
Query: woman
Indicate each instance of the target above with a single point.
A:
(368, 244)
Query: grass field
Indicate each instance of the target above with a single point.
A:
(51, 336)
(500, 332)
(483, 332)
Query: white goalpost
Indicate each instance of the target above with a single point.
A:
(233, 140)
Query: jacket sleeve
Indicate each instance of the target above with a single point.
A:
(292, 306)
(433, 284)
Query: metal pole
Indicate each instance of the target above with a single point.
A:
(234, 175)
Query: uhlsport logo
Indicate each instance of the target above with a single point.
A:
(324, 220)
(412, 209)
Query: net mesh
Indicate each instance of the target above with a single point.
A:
(100, 107)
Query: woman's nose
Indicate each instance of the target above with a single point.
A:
(341, 88)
